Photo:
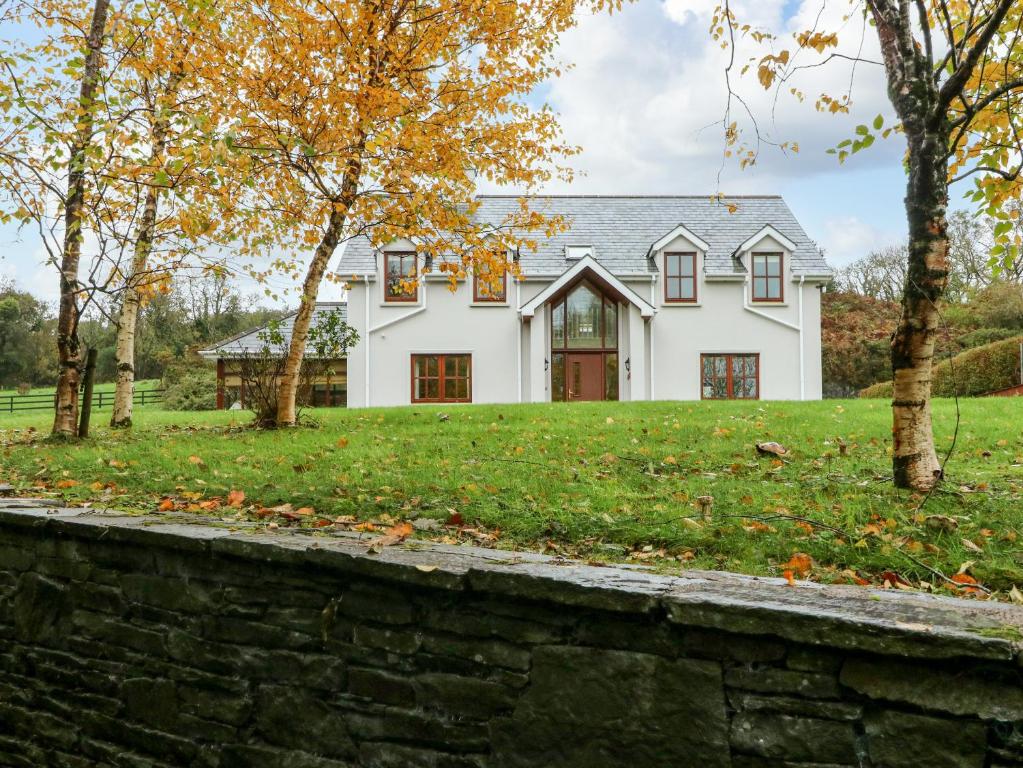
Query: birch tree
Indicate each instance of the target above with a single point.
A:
(375, 116)
(50, 122)
(954, 74)
(99, 131)
(168, 166)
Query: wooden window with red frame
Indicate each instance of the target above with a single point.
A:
(730, 377)
(483, 291)
(768, 270)
(441, 378)
(679, 278)
(399, 270)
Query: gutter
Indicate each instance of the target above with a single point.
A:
(653, 303)
(518, 342)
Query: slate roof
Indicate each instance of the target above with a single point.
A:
(250, 342)
(621, 229)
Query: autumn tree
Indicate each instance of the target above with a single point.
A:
(112, 156)
(375, 116)
(954, 74)
(170, 172)
(51, 122)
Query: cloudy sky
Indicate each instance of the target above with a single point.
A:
(644, 100)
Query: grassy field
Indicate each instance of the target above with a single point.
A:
(98, 387)
(603, 481)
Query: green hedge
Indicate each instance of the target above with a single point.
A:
(974, 372)
(191, 388)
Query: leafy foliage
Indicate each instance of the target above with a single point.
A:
(976, 371)
(25, 336)
(856, 336)
(190, 387)
(261, 371)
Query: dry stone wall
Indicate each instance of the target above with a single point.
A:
(146, 643)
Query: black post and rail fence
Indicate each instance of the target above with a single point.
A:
(100, 399)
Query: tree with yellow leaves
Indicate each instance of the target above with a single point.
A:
(167, 165)
(954, 71)
(375, 116)
(102, 123)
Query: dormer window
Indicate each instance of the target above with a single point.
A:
(767, 269)
(400, 276)
(578, 251)
(679, 277)
(485, 290)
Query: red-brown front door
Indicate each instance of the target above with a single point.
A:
(584, 376)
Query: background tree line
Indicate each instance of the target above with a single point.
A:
(193, 313)
(861, 307)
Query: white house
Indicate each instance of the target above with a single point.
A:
(643, 298)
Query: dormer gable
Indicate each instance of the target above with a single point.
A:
(681, 231)
(765, 233)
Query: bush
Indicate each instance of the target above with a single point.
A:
(191, 388)
(972, 373)
(983, 336)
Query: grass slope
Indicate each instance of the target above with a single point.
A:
(607, 481)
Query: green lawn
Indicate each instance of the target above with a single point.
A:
(608, 481)
(98, 387)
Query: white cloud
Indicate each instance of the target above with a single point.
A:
(846, 238)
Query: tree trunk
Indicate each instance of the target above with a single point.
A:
(914, 460)
(69, 351)
(124, 351)
(287, 412)
(127, 321)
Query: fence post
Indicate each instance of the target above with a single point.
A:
(90, 374)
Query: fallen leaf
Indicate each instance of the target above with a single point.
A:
(800, 562)
(396, 534)
(941, 522)
(197, 461)
(772, 448)
(426, 568)
(66, 484)
(166, 505)
(235, 498)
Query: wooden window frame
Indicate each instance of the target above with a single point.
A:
(403, 298)
(730, 383)
(780, 277)
(441, 378)
(680, 278)
(479, 298)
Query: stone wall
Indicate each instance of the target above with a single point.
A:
(140, 642)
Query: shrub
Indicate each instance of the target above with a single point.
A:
(190, 388)
(983, 336)
(974, 372)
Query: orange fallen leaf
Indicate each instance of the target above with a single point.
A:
(800, 562)
(65, 484)
(166, 505)
(196, 460)
(235, 498)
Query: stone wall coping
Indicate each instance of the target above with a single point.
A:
(890, 622)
